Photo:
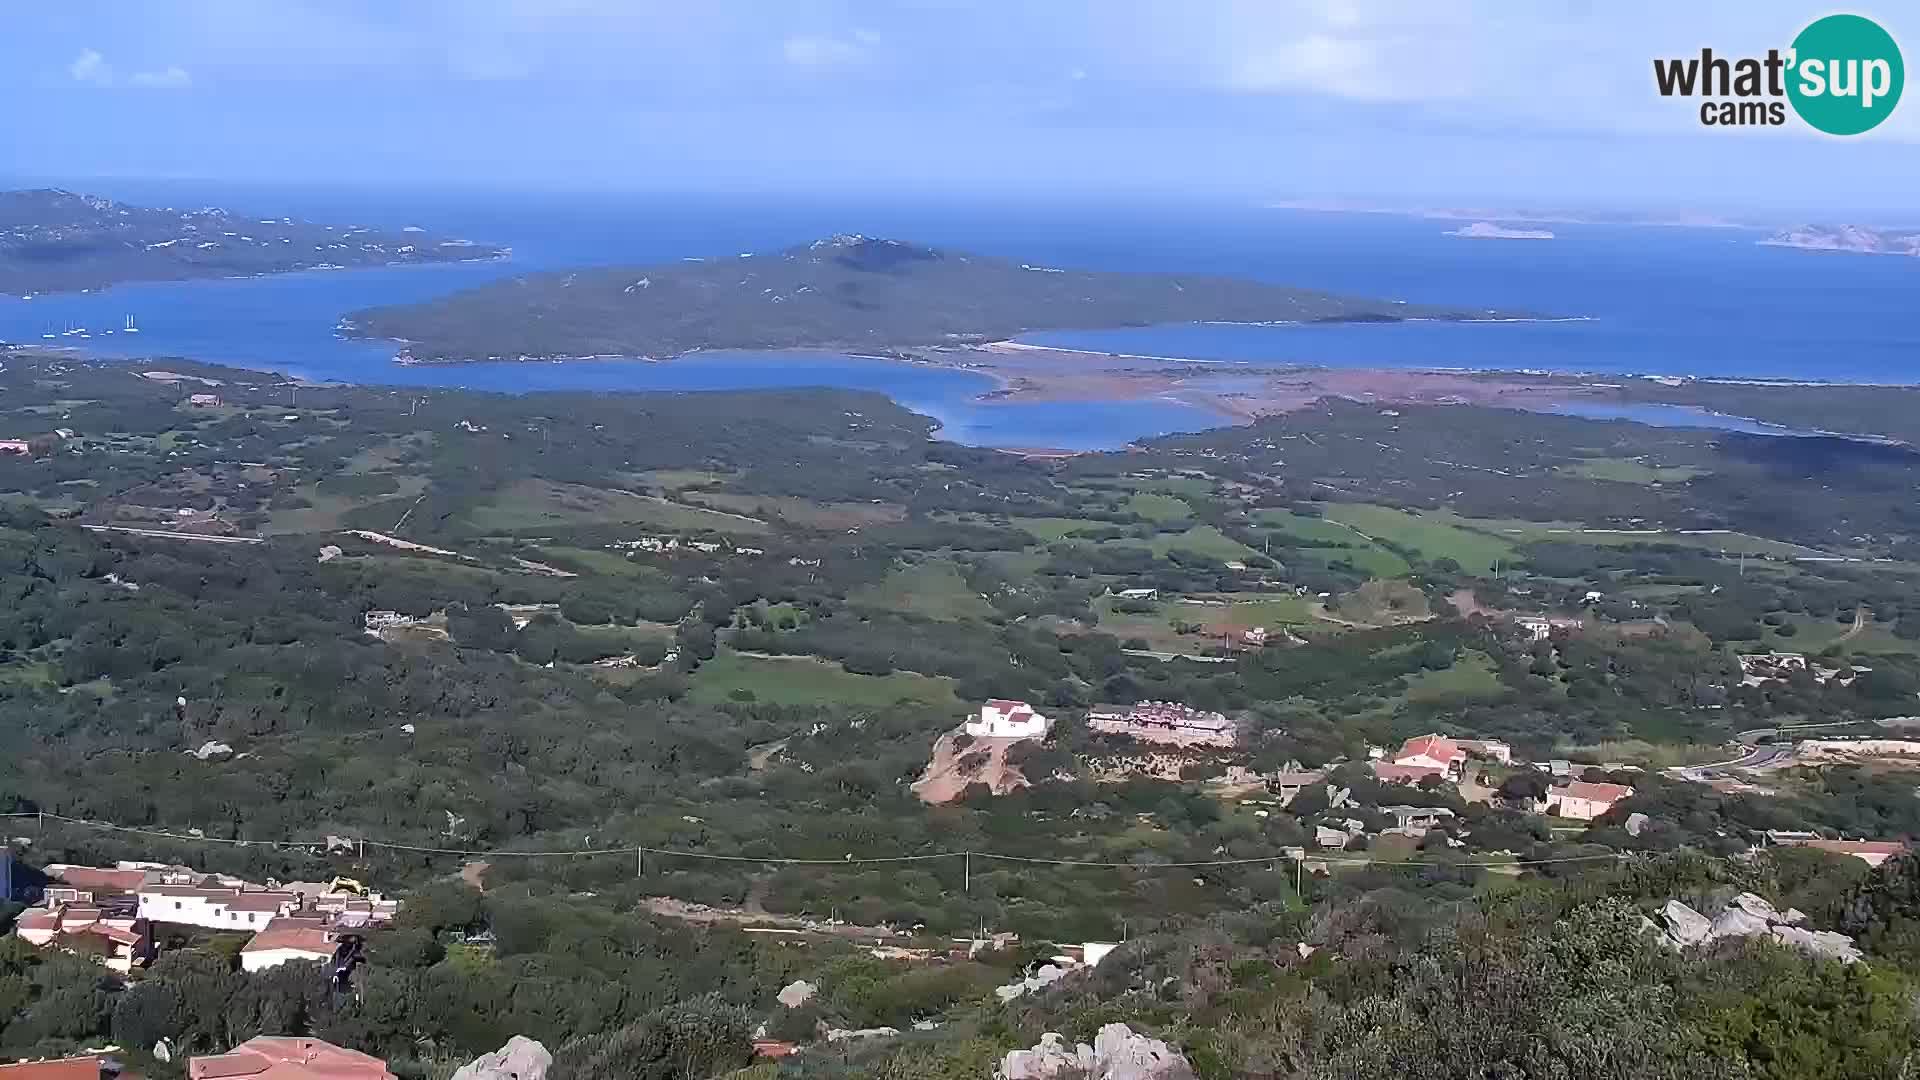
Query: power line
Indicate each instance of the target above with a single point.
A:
(776, 860)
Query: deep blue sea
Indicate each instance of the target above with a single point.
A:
(1650, 300)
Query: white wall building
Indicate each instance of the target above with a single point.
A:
(1003, 719)
(214, 907)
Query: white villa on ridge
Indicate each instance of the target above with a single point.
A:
(1003, 719)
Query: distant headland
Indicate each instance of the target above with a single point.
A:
(1487, 230)
(61, 241)
(847, 292)
(1860, 239)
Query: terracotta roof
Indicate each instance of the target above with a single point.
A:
(1858, 847)
(38, 919)
(77, 1068)
(261, 901)
(1437, 747)
(1390, 772)
(304, 938)
(277, 1057)
(97, 878)
(1606, 793)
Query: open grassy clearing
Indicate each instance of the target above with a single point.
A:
(1632, 471)
(1433, 537)
(591, 561)
(931, 587)
(1471, 678)
(1049, 530)
(1367, 557)
(539, 504)
(1157, 507)
(806, 680)
(1202, 540)
(329, 509)
(1274, 611)
(804, 512)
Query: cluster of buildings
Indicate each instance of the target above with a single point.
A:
(267, 1057)
(1437, 756)
(1164, 722)
(1446, 759)
(1757, 668)
(110, 914)
(666, 545)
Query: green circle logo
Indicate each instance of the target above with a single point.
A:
(1846, 76)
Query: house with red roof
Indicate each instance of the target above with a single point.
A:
(290, 939)
(1419, 758)
(288, 1057)
(1871, 852)
(1583, 801)
(85, 1067)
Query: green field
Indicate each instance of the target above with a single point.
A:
(1277, 611)
(805, 512)
(594, 561)
(1049, 530)
(1202, 540)
(1632, 471)
(1432, 536)
(1470, 678)
(1367, 557)
(539, 504)
(1157, 507)
(931, 587)
(806, 680)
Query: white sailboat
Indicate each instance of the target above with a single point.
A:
(129, 328)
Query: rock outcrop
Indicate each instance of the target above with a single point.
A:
(1747, 915)
(796, 993)
(1046, 975)
(1117, 1053)
(521, 1059)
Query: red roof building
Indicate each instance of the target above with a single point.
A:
(283, 1057)
(91, 1067)
(1388, 773)
(1871, 852)
(1583, 801)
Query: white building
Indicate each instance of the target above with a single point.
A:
(213, 906)
(1004, 719)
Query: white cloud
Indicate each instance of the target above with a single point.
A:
(170, 78)
(91, 67)
(820, 50)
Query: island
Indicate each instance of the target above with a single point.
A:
(62, 241)
(1487, 230)
(846, 292)
(1859, 239)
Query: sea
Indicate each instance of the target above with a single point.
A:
(1610, 299)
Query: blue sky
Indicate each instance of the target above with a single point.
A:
(1482, 102)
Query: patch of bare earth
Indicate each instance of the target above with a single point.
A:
(954, 767)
